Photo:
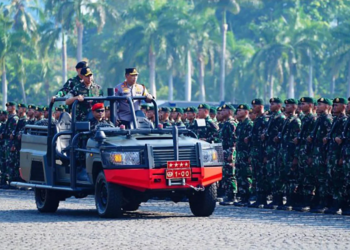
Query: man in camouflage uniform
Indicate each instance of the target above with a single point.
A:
(39, 115)
(317, 160)
(273, 126)
(335, 173)
(228, 137)
(84, 89)
(257, 152)
(31, 114)
(305, 192)
(346, 162)
(151, 115)
(206, 129)
(7, 132)
(177, 114)
(164, 117)
(213, 113)
(16, 137)
(220, 118)
(244, 170)
(287, 168)
(72, 82)
(191, 117)
(3, 120)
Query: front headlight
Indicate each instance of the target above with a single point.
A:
(210, 156)
(124, 158)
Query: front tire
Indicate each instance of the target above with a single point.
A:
(108, 198)
(203, 203)
(46, 200)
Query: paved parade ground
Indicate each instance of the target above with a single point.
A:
(163, 225)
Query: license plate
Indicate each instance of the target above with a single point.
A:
(178, 173)
(178, 164)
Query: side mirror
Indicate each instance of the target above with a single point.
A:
(82, 126)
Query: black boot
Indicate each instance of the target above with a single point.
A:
(289, 204)
(335, 208)
(277, 200)
(229, 201)
(321, 206)
(244, 202)
(260, 202)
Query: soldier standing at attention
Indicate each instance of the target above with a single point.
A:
(130, 88)
(164, 117)
(30, 114)
(317, 159)
(191, 117)
(273, 126)
(244, 170)
(208, 131)
(8, 131)
(151, 115)
(212, 113)
(288, 168)
(335, 173)
(219, 117)
(178, 112)
(344, 140)
(3, 119)
(16, 138)
(184, 117)
(72, 82)
(303, 152)
(228, 137)
(84, 89)
(257, 152)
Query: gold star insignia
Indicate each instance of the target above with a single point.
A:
(253, 101)
(241, 106)
(224, 106)
(201, 106)
(302, 99)
(272, 99)
(322, 99)
(36, 109)
(286, 102)
(337, 100)
(134, 71)
(188, 109)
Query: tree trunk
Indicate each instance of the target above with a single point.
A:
(333, 86)
(201, 77)
(4, 85)
(223, 54)
(171, 86)
(348, 92)
(64, 58)
(152, 71)
(22, 85)
(188, 77)
(310, 85)
(80, 30)
(271, 83)
(291, 85)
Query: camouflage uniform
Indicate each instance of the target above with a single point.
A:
(17, 142)
(244, 169)
(209, 132)
(83, 108)
(69, 86)
(95, 124)
(318, 155)
(191, 125)
(9, 129)
(166, 123)
(227, 135)
(274, 125)
(303, 152)
(2, 155)
(335, 173)
(346, 166)
(179, 124)
(287, 172)
(257, 152)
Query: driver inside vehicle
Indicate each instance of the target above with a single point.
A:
(98, 119)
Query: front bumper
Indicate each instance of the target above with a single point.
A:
(154, 179)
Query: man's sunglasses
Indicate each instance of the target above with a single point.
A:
(100, 110)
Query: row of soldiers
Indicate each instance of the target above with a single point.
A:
(300, 151)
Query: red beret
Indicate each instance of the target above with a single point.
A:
(98, 106)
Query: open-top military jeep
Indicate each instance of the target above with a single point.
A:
(123, 167)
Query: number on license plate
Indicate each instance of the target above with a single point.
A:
(178, 173)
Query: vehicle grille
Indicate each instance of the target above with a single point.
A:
(162, 155)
